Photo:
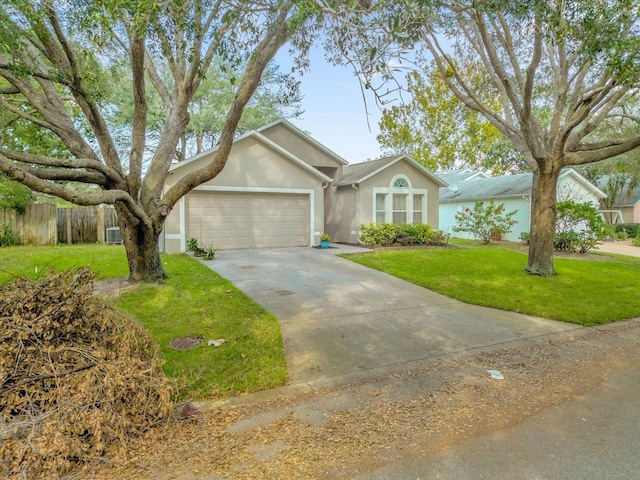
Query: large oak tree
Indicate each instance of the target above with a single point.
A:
(561, 69)
(53, 59)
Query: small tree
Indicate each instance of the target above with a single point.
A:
(484, 221)
(578, 227)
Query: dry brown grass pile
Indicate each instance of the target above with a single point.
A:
(77, 380)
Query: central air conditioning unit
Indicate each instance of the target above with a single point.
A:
(113, 235)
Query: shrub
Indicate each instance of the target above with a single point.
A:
(579, 228)
(608, 234)
(7, 239)
(622, 235)
(192, 244)
(630, 228)
(387, 234)
(206, 252)
(525, 237)
(636, 241)
(485, 221)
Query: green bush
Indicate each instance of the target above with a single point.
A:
(622, 235)
(636, 241)
(387, 234)
(608, 233)
(7, 239)
(192, 244)
(630, 228)
(485, 221)
(579, 228)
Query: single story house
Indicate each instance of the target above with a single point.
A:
(280, 187)
(465, 188)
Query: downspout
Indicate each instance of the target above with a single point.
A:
(324, 208)
(353, 185)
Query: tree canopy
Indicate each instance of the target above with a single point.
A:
(437, 129)
(56, 59)
(561, 70)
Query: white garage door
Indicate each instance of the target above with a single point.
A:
(248, 220)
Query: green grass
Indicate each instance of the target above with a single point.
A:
(586, 292)
(197, 301)
(110, 261)
(193, 301)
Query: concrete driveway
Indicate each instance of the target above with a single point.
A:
(343, 322)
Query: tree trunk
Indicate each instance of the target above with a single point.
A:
(543, 222)
(141, 244)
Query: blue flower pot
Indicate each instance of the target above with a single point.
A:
(324, 244)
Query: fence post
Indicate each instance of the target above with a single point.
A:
(67, 212)
(100, 226)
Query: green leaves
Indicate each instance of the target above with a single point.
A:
(439, 131)
(485, 220)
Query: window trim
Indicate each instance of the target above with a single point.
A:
(397, 177)
(389, 191)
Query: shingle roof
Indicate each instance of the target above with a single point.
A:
(359, 172)
(453, 177)
(480, 188)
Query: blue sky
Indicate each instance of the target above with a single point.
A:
(334, 110)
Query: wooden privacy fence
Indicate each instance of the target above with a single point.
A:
(85, 225)
(45, 224)
(36, 226)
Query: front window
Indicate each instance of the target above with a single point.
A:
(381, 207)
(399, 208)
(417, 207)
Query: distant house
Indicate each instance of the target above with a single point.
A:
(465, 187)
(280, 187)
(625, 207)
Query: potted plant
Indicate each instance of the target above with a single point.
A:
(325, 239)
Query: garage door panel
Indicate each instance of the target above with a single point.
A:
(251, 220)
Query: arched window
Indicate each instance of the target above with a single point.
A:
(401, 182)
(400, 202)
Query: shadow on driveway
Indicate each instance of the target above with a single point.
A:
(343, 322)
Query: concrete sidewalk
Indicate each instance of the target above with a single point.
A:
(343, 322)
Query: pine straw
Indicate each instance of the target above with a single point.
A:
(77, 380)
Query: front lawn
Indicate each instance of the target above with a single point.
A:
(194, 301)
(586, 292)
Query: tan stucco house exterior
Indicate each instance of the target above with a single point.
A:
(280, 187)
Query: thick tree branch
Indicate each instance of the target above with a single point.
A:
(58, 190)
(67, 175)
(276, 36)
(595, 152)
(139, 125)
(111, 175)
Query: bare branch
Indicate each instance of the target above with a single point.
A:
(263, 53)
(76, 163)
(56, 189)
(595, 152)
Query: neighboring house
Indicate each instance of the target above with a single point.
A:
(280, 187)
(512, 190)
(626, 206)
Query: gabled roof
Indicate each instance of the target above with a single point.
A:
(261, 138)
(453, 177)
(505, 186)
(307, 137)
(481, 188)
(359, 172)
